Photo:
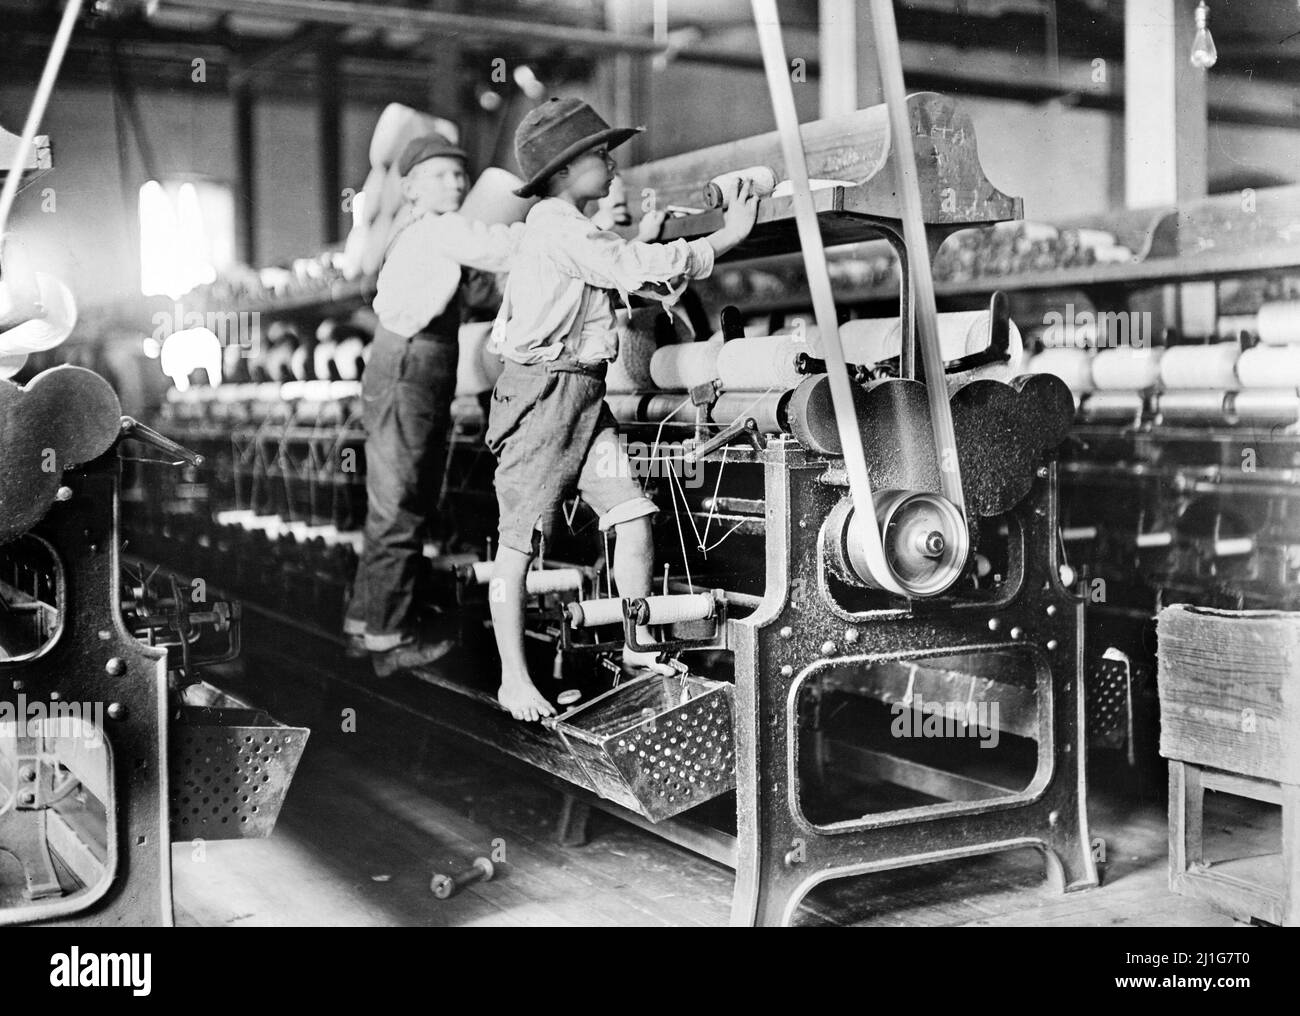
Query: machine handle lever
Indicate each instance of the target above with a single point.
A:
(134, 429)
(745, 426)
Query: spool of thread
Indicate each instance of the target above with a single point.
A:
(323, 358)
(1073, 366)
(1126, 369)
(1230, 326)
(659, 407)
(1200, 366)
(1259, 405)
(870, 340)
(677, 607)
(1112, 255)
(683, 366)
(302, 364)
(768, 411)
(471, 370)
(1269, 367)
(545, 580)
(316, 391)
(718, 190)
(1278, 323)
(348, 359)
(1090, 238)
(593, 613)
(626, 408)
(1112, 407)
(1236, 546)
(1035, 232)
(277, 362)
(630, 370)
(762, 362)
(553, 580)
(492, 199)
(1194, 406)
(493, 363)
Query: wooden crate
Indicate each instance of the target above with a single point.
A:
(1229, 686)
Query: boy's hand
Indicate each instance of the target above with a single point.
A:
(741, 211)
(652, 224)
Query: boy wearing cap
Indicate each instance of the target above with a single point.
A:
(407, 390)
(549, 426)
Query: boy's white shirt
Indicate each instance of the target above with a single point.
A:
(421, 270)
(560, 254)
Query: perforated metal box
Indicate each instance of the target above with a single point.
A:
(230, 770)
(657, 745)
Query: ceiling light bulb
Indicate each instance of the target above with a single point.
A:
(1204, 53)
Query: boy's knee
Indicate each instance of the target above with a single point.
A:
(635, 511)
(637, 528)
(510, 562)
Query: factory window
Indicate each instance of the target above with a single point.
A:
(187, 235)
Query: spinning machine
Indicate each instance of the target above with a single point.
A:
(861, 586)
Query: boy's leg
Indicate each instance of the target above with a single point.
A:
(535, 430)
(608, 486)
(354, 617)
(634, 559)
(407, 395)
(506, 594)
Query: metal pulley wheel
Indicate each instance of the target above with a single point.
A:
(924, 536)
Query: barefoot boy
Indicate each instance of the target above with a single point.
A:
(549, 426)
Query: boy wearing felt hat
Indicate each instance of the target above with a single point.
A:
(407, 390)
(549, 426)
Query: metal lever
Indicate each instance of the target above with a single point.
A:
(137, 431)
(745, 426)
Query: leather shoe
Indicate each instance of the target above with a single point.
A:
(408, 655)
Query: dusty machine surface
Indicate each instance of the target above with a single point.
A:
(111, 744)
(835, 710)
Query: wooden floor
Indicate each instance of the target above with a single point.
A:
(373, 813)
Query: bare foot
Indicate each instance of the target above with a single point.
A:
(646, 662)
(521, 698)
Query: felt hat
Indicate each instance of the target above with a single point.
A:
(557, 132)
(429, 146)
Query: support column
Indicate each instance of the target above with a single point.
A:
(624, 77)
(1165, 135)
(245, 176)
(1164, 105)
(839, 51)
(448, 84)
(329, 129)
